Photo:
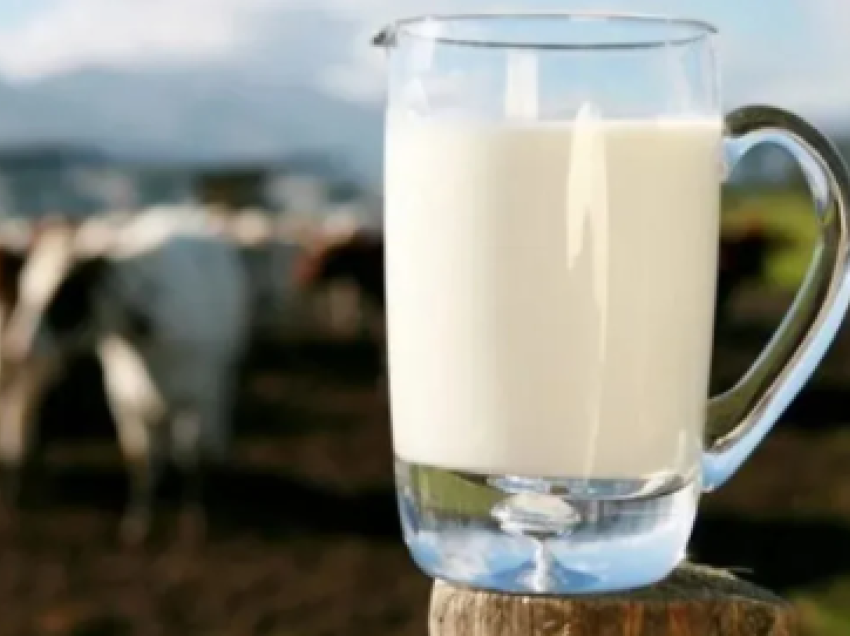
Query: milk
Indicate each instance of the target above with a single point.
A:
(551, 291)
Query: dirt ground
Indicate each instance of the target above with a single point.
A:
(303, 537)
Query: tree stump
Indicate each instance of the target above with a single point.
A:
(694, 601)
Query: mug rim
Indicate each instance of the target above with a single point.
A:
(696, 30)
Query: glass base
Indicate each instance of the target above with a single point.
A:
(544, 536)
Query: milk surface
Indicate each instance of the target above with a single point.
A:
(551, 291)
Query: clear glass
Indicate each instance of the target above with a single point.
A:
(552, 224)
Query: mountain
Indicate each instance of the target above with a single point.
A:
(254, 110)
(192, 115)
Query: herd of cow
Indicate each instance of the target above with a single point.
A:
(168, 299)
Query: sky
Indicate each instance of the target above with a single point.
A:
(789, 52)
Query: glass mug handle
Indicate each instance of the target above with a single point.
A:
(752, 407)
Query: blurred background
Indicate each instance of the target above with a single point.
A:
(265, 117)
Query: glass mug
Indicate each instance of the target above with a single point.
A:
(552, 227)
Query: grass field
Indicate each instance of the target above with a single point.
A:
(786, 214)
(825, 612)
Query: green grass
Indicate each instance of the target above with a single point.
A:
(786, 214)
(446, 492)
(825, 611)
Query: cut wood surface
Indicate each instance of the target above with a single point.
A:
(694, 601)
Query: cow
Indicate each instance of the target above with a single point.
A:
(356, 258)
(269, 248)
(164, 304)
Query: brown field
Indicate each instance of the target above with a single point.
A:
(303, 537)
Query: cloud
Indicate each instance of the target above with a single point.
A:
(321, 42)
(73, 33)
(807, 70)
(830, 23)
(70, 34)
(821, 97)
(799, 52)
(796, 58)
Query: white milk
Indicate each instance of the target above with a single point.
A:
(551, 292)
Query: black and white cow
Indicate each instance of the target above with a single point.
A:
(164, 303)
(270, 250)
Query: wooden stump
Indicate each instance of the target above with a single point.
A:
(694, 601)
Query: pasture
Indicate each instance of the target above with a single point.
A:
(303, 537)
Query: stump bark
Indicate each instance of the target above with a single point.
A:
(694, 601)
